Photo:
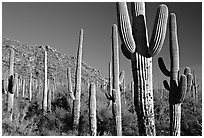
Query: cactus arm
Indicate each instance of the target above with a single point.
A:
(189, 82)
(187, 70)
(174, 48)
(125, 51)
(163, 67)
(166, 85)
(159, 30)
(182, 88)
(125, 27)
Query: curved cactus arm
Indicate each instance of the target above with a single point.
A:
(125, 30)
(182, 88)
(189, 82)
(159, 30)
(125, 51)
(121, 77)
(163, 67)
(166, 85)
(174, 48)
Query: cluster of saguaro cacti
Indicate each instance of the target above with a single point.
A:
(178, 86)
(135, 46)
(92, 109)
(77, 94)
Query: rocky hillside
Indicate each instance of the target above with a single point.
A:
(31, 59)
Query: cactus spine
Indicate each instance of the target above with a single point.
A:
(70, 84)
(92, 109)
(45, 81)
(76, 105)
(116, 93)
(178, 87)
(135, 47)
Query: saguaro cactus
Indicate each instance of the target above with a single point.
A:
(135, 46)
(23, 87)
(92, 110)
(116, 93)
(11, 84)
(45, 48)
(76, 105)
(30, 87)
(178, 87)
(70, 84)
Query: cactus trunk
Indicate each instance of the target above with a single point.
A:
(116, 94)
(49, 100)
(76, 104)
(11, 85)
(45, 83)
(70, 84)
(30, 87)
(143, 93)
(92, 110)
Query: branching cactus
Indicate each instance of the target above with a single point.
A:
(71, 94)
(92, 110)
(45, 48)
(135, 46)
(76, 105)
(178, 86)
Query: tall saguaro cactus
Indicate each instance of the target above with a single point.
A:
(76, 105)
(92, 109)
(178, 87)
(11, 84)
(135, 46)
(116, 89)
(45, 80)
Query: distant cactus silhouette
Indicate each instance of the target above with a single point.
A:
(135, 46)
(178, 87)
(92, 110)
(30, 87)
(45, 48)
(23, 87)
(77, 94)
(49, 98)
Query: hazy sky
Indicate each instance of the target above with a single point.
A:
(58, 25)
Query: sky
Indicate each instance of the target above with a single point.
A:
(58, 24)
